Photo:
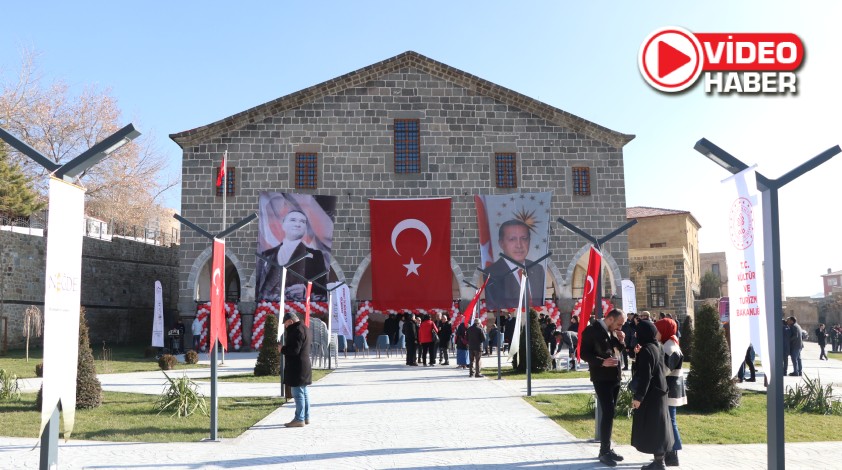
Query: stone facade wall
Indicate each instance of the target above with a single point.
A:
(118, 280)
(352, 132)
(718, 258)
(669, 264)
(806, 311)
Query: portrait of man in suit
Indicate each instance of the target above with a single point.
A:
(514, 239)
(296, 239)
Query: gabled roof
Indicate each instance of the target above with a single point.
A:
(835, 273)
(640, 212)
(417, 61)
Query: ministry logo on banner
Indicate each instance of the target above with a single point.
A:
(745, 269)
(515, 225)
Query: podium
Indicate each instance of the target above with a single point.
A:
(175, 337)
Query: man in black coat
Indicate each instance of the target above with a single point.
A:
(600, 346)
(295, 225)
(390, 329)
(503, 291)
(298, 372)
(475, 339)
(410, 332)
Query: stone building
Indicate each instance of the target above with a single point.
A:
(664, 259)
(831, 281)
(717, 264)
(348, 123)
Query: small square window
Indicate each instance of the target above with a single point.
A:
(407, 146)
(230, 179)
(505, 165)
(306, 170)
(582, 181)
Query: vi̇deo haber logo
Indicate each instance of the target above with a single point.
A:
(672, 59)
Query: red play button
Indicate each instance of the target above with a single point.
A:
(669, 59)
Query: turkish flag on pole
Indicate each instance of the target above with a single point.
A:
(220, 177)
(307, 304)
(590, 295)
(410, 253)
(217, 308)
(469, 312)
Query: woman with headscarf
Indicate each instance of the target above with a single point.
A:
(673, 359)
(651, 430)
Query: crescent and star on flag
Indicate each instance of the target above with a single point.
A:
(407, 224)
(217, 274)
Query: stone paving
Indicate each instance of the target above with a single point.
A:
(377, 413)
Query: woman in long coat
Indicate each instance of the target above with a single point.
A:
(298, 372)
(651, 428)
(677, 396)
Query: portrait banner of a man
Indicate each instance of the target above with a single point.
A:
(291, 226)
(516, 225)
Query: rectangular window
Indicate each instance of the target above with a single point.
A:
(658, 292)
(306, 170)
(407, 146)
(715, 269)
(230, 179)
(658, 245)
(505, 165)
(582, 181)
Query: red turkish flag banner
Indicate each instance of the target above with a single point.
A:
(469, 312)
(217, 297)
(410, 253)
(307, 304)
(590, 295)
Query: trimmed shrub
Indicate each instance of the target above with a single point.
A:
(167, 362)
(709, 383)
(687, 338)
(540, 353)
(191, 357)
(88, 388)
(9, 390)
(269, 358)
(39, 369)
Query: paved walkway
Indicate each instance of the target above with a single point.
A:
(377, 414)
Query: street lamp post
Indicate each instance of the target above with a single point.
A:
(597, 242)
(771, 271)
(68, 172)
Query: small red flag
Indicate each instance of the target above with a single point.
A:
(307, 305)
(220, 177)
(590, 295)
(217, 308)
(469, 312)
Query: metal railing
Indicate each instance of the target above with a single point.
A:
(36, 224)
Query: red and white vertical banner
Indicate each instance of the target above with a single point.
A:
(62, 298)
(591, 294)
(158, 317)
(745, 269)
(217, 310)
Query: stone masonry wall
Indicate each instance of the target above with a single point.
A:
(118, 279)
(352, 133)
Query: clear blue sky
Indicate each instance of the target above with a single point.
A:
(174, 66)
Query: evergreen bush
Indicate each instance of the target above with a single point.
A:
(709, 384)
(686, 339)
(167, 362)
(191, 357)
(540, 353)
(39, 369)
(269, 358)
(88, 388)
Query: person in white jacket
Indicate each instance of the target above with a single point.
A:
(667, 335)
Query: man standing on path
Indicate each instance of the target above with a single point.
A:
(475, 339)
(298, 373)
(796, 344)
(410, 333)
(600, 346)
(196, 329)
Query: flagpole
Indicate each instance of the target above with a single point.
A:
(224, 224)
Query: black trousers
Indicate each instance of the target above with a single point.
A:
(475, 357)
(428, 349)
(443, 357)
(410, 353)
(606, 395)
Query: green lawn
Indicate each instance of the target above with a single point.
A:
(318, 374)
(122, 359)
(510, 374)
(744, 425)
(131, 417)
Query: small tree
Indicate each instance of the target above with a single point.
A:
(687, 338)
(540, 354)
(709, 384)
(33, 322)
(17, 198)
(711, 283)
(88, 387)
(269, 358)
